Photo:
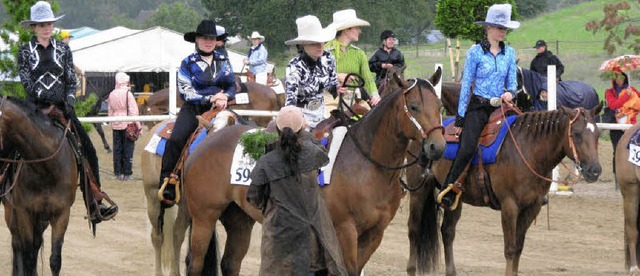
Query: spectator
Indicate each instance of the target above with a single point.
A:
(46, 73)
(297, 232)
(313, 71)
(544, 58)
(221, 40)
(475, 107)
(349, 58)
(257, 57)
(619, 93)
(386, 56)
(122, 103)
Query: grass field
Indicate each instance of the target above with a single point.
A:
(580, 51)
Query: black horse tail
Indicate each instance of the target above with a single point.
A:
(424, 228)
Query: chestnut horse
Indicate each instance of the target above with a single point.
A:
(519, 180)
(43, 186)
(628, 176)
(261, 97)
(362, 198)
(168, 241)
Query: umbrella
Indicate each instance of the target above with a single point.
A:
(622, 63)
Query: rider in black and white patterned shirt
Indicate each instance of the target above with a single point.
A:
(312, 72)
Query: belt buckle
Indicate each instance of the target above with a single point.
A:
(314, 104)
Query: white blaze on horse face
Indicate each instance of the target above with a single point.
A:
(591, 127)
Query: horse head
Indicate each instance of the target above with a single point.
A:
(582, 143)
(422, 109)
(388, 83)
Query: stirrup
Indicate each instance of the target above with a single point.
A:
(171, 180)
(455, 187)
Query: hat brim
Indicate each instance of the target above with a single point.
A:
(191, 36)
(353, 23)
(261, 38)
(325, 35)
(26, 23)
(512, 25)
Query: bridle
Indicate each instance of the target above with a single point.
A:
(38, 160)
(571, 145)
(424, 133)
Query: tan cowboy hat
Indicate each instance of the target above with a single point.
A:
(256, 35)
(40, 12)
(310, 31)
(346, 19)
(499, 15)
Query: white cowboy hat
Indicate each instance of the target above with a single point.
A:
(40, 12)
(310, 31)
(256, 35)
(346, 19)
(499, 15)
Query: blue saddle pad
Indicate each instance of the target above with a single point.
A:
(489, 153)
(635, 139)
(163, 141)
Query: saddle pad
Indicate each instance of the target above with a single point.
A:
(634, 148)
(489, 153)
(242, 165)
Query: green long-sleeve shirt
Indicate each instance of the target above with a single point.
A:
(353, 60)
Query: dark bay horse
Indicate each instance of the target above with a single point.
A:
(43, 187)
(518, 185)
(628, 176)
(261, 97)
(363, 196)
(167, 243)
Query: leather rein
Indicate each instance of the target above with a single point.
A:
(571, 145)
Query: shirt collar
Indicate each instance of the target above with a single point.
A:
(486, 46)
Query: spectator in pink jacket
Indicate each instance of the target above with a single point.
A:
(122, 103)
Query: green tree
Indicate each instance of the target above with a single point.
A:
(178, 17)
(620, 22)
(531, 8)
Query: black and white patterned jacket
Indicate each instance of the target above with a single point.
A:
(306, 79)
(47, 73)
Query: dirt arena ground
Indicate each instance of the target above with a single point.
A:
(584, 235)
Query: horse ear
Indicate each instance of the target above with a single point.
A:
(400, 81)
(596, 110)
(402, 68)
(436, 77)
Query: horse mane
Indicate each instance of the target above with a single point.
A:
(533, 125)
(30, 111)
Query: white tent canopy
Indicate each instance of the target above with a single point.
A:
(153, 50)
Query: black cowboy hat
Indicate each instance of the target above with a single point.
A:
(207, 27)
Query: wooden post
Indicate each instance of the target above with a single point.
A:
(457, 78)
(453, 69)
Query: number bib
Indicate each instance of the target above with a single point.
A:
(241, 166)
(634, 154)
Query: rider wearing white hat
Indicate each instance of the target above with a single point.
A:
(349, 58)
(313, 71)
(257, 57)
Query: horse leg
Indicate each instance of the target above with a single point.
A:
(630, 207)
(153, 211)
(368, 242)
(202, 230)
(23, 243)
(98, 127)
(182, 222)
(348, 237)
(526, 217)
(448, 230)
(238, 226)
(58, 230)
(510, 213)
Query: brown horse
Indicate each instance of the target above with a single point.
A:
(628, 176)
(168, 241)
(519, 179)
(361, 207)
(261, 97)
(43, 186)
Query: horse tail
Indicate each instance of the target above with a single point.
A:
(424, 229)
(210, 267)
(168, 217)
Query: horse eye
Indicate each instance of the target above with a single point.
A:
(577, 137)
(414, 108)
